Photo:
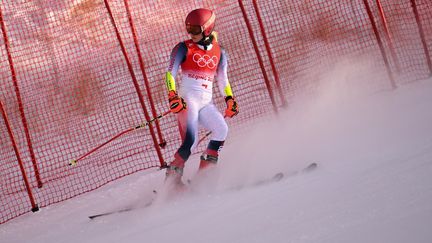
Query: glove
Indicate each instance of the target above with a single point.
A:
(232, 108)
(176, 102)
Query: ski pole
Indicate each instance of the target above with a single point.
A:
(74, 161)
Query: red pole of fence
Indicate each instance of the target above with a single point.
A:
(269, 53)
(422, 36)
(20, 103)
(380, 44)
(18, 156)
(162, 142)
(267, 82)
(388, 35)
(135, 81)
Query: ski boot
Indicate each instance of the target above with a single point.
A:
(207, 161)
(173, 175)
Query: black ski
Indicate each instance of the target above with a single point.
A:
(109, 213)
(279, 176)
(122, 210)
(275, 178)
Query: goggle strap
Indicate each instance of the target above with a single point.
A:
(209, 22)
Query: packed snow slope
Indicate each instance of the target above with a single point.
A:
(373, 183)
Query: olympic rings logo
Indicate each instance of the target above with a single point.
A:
(205, 60)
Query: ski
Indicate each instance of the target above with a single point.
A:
(123, 210)
(279, 176)
(109, 213)
(275, 178)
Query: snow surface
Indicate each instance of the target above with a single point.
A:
(373, 183)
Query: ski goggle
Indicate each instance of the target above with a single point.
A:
(194, 29)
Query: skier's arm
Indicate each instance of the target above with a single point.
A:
(222, 75)
(224, 85)
(178, 55)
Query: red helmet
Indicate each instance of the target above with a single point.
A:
(202, 18)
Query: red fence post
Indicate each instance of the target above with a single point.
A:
(135, 81)
(18, 156)
(380, 44)
(20, 103)
(422, 36)
(267, 82)
(162, 143)
(388, 35)
(269, 53)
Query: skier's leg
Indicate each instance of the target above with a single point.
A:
(188, 126)
(212, 120)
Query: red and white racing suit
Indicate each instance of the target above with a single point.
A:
(201, 66)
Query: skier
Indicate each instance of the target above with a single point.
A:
(202, 61)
